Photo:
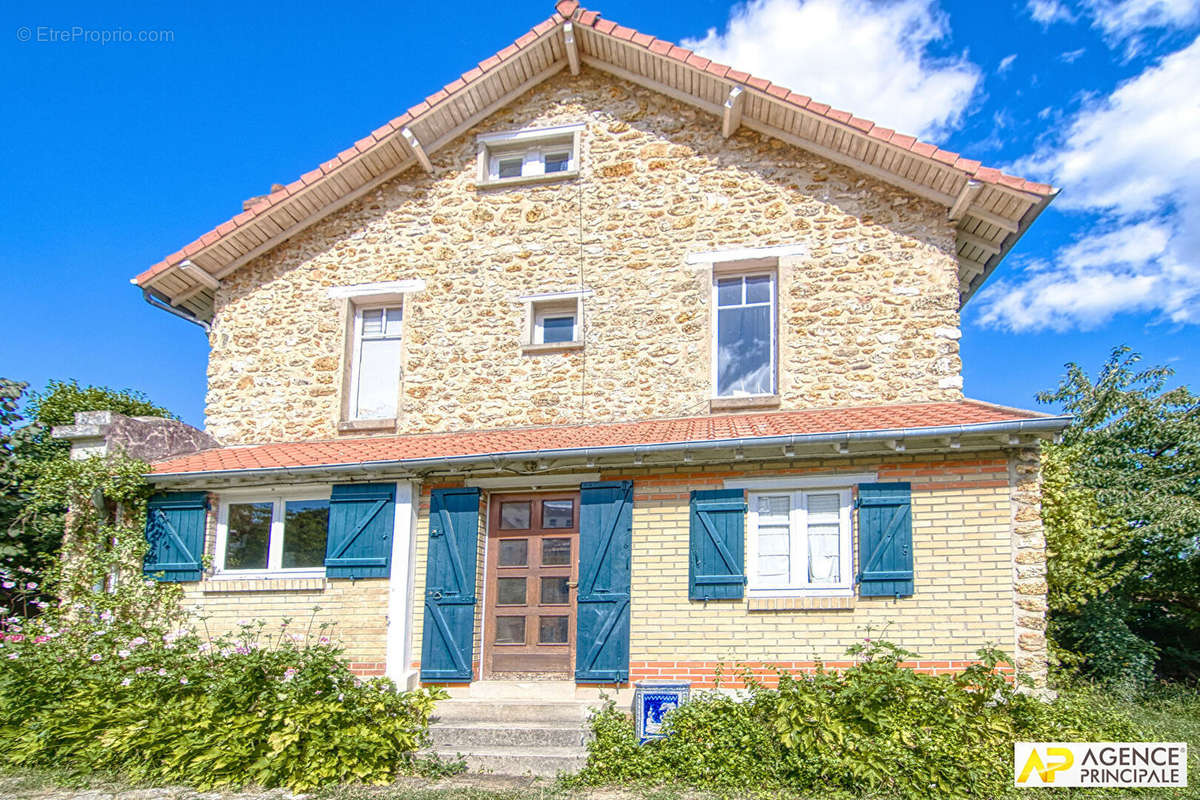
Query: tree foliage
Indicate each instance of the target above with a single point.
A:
(31, 529)
(1121, 504)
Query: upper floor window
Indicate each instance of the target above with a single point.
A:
(536, 154)
(553, 321)
(744, 341)
(800, 542)
(258, 535)
(375, 370)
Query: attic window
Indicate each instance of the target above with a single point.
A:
(527, 156)
(553, 322)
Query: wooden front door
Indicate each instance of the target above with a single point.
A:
(532, 570)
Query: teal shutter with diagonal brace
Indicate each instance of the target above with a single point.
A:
(447, 641)
(885, 545)
(717, 568)
(361, 519)
(175, 536)
(602, 606)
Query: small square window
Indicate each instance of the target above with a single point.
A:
(510, 167)
(558, 162)
(555, 329)
(554, 321)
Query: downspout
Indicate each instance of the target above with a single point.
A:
(160, 303)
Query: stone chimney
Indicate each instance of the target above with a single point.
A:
(99, 433)
(253, 201)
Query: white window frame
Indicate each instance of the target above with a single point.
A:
(720, 275)
(356, 354)
(533, 145)
(279, 499)
(552, 304)
(542, 314)
(798, 544)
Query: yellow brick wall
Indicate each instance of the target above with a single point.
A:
(356, 611)
(963, 559)
(962, 598)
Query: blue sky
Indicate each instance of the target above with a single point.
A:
(116, 154)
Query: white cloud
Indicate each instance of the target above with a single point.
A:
(1006, 64)
(1121, 19)
(1071, 56)
(1120, 22)
(1048, 11)
(1132, 162)
(869, 58)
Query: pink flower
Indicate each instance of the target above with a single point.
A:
(8, 584)
(12, 656)
(96, 656)
(123, 653)
(16, 637)
(140, 670)
(41, 639)
(162, 672)
(31, 586)
(183, 681)
(137, 642)
(127, 681)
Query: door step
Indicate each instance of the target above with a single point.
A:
(546, 762)
(515, 737)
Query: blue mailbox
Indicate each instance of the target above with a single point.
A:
(652, 700)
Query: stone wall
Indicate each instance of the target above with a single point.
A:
(867, 313)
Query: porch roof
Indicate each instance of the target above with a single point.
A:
(827, 431)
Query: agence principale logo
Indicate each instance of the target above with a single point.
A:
(1099, 764)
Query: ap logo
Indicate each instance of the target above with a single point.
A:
(1056, 760)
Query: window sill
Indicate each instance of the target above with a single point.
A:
(551, 178)
(224, 584)
(736, 403)
(367, 425)
(552, 347)
(813, 603)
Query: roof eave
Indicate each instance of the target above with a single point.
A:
(1004, 434)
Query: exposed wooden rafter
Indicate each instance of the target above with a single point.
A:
(963, 201)
(572, 48)
(414, 144)
(991, 248)
(731, 119)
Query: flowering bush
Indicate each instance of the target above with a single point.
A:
(877, 729)
(90, 691)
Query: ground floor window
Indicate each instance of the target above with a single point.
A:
(800, 542)
(264, 535)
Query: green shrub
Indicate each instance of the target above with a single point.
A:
(875, 729)
(86, 691)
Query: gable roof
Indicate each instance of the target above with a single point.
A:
(991, 210)
(861, 429)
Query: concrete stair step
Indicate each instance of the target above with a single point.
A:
(544, 762)
(515, 690)
(473, 710)
(525, 734)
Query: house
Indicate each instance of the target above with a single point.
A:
(607, 363)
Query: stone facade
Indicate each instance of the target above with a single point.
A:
(1029, 564)
(868, 313)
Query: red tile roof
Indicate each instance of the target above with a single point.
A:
(646, 433)
(570, 10)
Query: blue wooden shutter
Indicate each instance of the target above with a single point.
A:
(717, 564)
(447, 642)
(361, 519)
(602, 606)
(885, 550)
(175, 534)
